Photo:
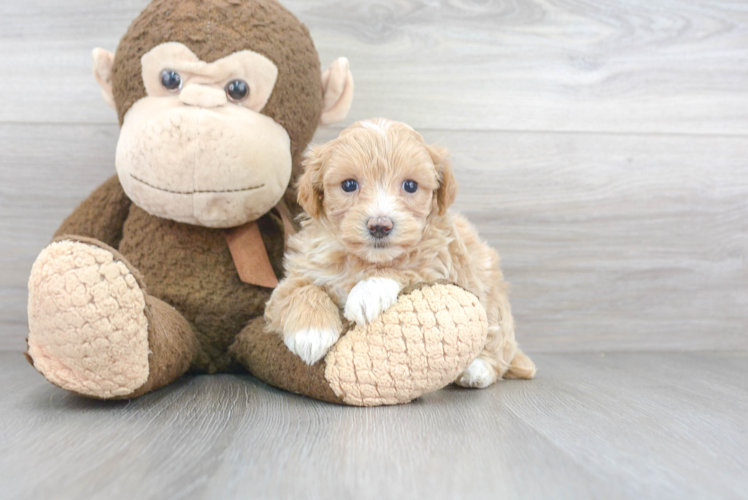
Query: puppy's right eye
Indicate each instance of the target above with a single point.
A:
(350, 186)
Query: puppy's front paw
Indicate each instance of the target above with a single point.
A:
(311, 344)
(478, 375)
(370, 298)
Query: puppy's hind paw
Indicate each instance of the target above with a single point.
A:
(311, 344)
(478, 375)
(370, 298)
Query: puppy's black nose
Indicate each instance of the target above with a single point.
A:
(379, 227)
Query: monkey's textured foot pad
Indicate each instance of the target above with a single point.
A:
(88, 331)
(419, 345)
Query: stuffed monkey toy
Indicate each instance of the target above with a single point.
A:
(166, 268)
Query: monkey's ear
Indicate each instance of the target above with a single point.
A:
(310, 187)
(337, 83)
(447, 190)
(103, 61)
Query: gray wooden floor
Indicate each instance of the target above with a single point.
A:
(601, 147)
(591, 426)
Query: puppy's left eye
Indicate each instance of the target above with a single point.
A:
(410, 186)
(350, 186)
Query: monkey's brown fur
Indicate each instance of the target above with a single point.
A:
(189, 267)
(186, 266)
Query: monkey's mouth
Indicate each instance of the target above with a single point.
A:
(253, 188)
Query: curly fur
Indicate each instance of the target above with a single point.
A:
(334, 252)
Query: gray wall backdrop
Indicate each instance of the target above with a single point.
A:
(601, 146)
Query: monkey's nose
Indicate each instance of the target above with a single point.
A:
(203, 96)
(379, 227)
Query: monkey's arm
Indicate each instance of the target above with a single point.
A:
(100, 216)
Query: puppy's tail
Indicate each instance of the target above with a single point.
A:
(521, 367)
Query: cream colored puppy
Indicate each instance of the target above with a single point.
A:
(377, 199)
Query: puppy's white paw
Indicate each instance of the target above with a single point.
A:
(370, 298)
(478, 375)
(311, 344)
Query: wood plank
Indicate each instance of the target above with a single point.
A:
(611, 242)
(548, 65)
(622, 426)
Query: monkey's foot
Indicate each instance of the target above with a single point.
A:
(419, 345)
(88, 330)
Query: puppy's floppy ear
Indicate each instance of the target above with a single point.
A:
(447, 190)
(310, 187)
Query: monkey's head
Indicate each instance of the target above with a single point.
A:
(217, 100)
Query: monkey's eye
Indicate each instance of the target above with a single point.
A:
(238, 90)
(350, 186)
(171, 80)
(410, 186)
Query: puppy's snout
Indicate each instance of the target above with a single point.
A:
(379, 227)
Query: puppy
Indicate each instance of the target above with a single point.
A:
(377, 199)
